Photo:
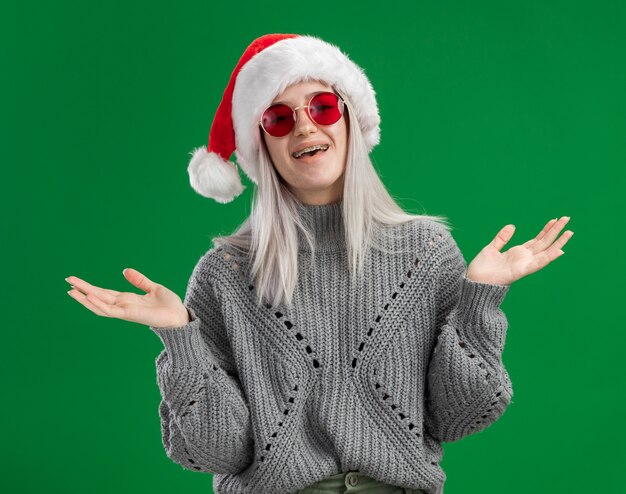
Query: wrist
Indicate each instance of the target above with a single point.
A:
(185, 317)
(485, 279)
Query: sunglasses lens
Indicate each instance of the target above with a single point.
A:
(326, 108)
(277, 120)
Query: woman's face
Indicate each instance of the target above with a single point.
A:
(319, 181)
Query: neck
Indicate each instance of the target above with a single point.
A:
(325, 222)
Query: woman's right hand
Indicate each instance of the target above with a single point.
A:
(159, 307)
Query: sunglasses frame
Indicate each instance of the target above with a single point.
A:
(295, 114)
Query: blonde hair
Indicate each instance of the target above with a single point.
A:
(269, 236)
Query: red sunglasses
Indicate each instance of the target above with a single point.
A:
(324, 108)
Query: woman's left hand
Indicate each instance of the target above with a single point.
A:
(503, 268)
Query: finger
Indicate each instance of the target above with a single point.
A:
(139, 280)
(103, 293)
(562, 240)
(82, 299)
(550, 235)
(541, 233)
(503, 237)
(545, 257)
(107, 309)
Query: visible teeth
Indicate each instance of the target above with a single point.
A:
(297, 154)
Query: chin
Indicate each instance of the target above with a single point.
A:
(319, 180)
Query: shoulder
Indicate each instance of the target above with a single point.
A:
(436, 242)
(423, 236)
(430, 233)
(208, 264)
(221, 266)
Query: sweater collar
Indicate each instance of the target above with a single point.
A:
(325, 222)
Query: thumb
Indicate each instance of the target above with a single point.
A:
(138, 279)
(503, 236)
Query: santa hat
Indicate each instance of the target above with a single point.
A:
(268, 66)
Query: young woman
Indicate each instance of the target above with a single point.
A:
(334, 341)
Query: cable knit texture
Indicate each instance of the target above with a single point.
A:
(369, 378)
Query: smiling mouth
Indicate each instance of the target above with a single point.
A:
(313, 152)
(311, 157)
(310, 154)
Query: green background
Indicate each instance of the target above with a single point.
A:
(492, 113)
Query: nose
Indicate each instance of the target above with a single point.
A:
(304, 124)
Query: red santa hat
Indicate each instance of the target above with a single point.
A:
(268, 66)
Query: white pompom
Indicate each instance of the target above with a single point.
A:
(213, 177)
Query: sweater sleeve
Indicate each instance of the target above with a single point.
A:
(468, 387)
(204, 413)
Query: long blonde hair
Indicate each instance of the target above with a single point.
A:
(269, 236)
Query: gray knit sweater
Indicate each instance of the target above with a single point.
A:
(370, 378)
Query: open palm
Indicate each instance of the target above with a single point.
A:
(159, 307)
(503, 268)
